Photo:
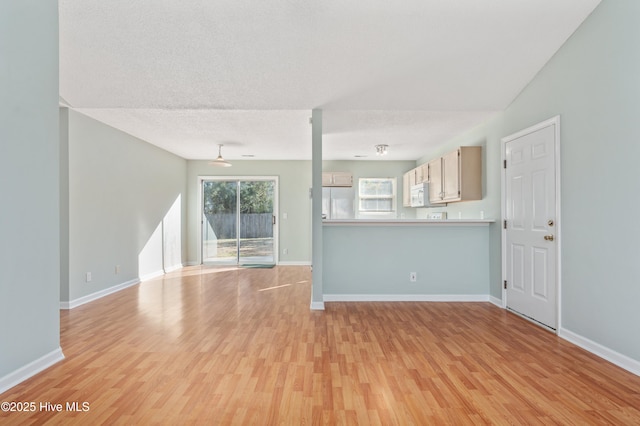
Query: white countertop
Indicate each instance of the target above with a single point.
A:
(408, 222)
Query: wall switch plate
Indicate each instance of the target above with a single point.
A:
(413, 277)
(117, 269)
(285, 251)
(88, 276)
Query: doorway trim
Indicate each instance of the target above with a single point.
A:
(554, 121)
(276, 205)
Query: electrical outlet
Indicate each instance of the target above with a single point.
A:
(285, 251)
(413, 277)
(88, 276)
(117, 269)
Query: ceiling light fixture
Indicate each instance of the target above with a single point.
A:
(381, 149)
(220, 162)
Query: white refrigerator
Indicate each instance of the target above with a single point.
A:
(338, 203)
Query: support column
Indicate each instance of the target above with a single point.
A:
(317, 300)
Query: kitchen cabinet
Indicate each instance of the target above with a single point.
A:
(406, 190)
(423, 173)
(435, 180)
(337, 179)
(413, 177)
(418, 175)
(456, 176)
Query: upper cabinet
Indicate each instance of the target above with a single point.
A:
(418, 175)
(413, 177)
(456, 176)
(406, 190)
(337, 179)
(435, 180)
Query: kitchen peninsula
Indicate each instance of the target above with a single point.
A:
(374, 260)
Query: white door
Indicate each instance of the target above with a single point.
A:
(531, 233)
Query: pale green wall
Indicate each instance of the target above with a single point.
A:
(377, 260)
(488, 137)
(593, 84)
(64, 203)
(29, 183)
(294, 181)
(120, 190)
(376, 169)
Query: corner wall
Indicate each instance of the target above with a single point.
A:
(592, 83)
(29, 184)
(127, 208)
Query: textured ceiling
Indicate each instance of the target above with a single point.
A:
(187, 75)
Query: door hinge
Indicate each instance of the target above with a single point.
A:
(504, 224)
(505, 284)
(504, 164)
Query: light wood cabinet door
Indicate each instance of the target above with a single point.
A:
(406, 190)
(451, 176)
(418, 173)
(435, 180)
(342, 179)
(337, 179)
(424, 172)
(470, 163)
(456, 176)
(412, 177)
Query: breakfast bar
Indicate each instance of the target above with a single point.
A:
(400, 259)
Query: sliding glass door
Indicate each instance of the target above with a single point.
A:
(238, 221)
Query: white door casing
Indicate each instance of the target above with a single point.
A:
(531, 211)
(276, 222)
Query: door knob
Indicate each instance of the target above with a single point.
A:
(550, 223)
(548, 237)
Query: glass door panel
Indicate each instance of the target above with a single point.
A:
(238, 221)
(220, 221)
(256, 242)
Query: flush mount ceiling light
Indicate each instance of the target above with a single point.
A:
(220, 162)
(381, 149)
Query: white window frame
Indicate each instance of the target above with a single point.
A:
(384, 214)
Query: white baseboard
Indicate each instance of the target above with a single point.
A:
(152, 275)
(496, 301)
(30, 370)
(610, 355)
(173, 268)
(406, 298)
(317, 306)
(192, 263)
(97, 295)
(295, 263)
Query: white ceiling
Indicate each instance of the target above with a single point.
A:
(187, 75)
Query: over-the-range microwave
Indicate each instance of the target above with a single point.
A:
(420, 195)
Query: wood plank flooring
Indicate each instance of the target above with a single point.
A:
(240, 346)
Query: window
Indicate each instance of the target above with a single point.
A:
(377, 195)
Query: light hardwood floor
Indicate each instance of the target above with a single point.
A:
(240, 346)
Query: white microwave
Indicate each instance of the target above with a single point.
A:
(420, 195)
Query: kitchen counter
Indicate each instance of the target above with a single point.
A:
(373, 259)
(407, 222)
